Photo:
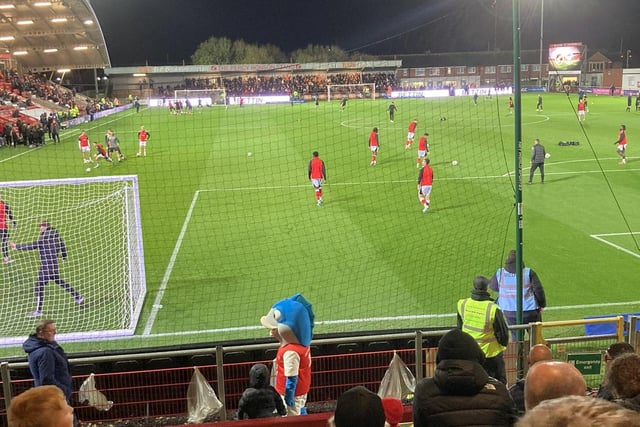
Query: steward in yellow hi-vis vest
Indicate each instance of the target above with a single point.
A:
(481, 318)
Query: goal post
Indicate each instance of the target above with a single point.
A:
(351, 91)
(204, 97)
(98, 219)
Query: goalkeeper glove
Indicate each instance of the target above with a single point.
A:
(290, 388)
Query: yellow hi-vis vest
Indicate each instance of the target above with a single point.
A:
(477, 321)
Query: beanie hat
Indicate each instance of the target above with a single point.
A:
(480, 283)
(359, 407)
(393, 410)
(459, 345)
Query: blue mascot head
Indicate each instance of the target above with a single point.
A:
(291, 320)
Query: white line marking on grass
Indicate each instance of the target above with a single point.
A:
(364, 320)
(620, 169)
(20, 154)
(618, 247)
(167, 274)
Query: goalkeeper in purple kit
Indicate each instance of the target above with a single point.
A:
(49, 244)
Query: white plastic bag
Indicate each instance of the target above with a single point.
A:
(88, 394)
(202, 401)
(398, 381)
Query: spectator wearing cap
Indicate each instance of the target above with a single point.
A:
(358, 407)
(623, 377)
(616, 349)
(481, 318)
(533, 298)
(461, 393)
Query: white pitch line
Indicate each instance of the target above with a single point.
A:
(167, 274)
(20, 154)
(618, 247)
(363, 320)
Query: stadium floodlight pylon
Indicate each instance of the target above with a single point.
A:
(205, 97)
(98, 218)
(351, 91)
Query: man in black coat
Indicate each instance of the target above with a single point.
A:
(461, 392)
(538, 154)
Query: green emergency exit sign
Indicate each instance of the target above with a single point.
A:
(586, 363)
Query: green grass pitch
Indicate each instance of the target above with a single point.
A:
(227, 234)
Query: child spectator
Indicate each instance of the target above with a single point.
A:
(260, 399)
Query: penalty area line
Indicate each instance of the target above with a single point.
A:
(167, 274)
(613, 245)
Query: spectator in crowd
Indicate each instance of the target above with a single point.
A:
(579, 411)
(623, 377)
(483, 320)
(260, 399)
(460, 391)
(47, 360)
(616, 349)
(358, 407)
(550, 379)
(537, 353)
(533, 297)
(43, 406)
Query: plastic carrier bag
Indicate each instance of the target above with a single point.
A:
(398, 381)
(88, 394)
(202, 401)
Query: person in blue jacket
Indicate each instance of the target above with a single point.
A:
(48, 362)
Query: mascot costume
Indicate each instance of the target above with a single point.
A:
(290, 321)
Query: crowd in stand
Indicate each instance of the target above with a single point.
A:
(18, 91)
(303, 84)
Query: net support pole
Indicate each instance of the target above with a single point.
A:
(518, 170)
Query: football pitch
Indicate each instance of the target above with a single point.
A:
(230, 223)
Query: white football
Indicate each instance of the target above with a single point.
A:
(546, 156)
(249, 154)
(88, 170)
(454, 163)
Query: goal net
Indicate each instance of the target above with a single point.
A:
(352, 91)
(202, 97)
(98, 219)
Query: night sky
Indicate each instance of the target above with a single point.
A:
(167, 32)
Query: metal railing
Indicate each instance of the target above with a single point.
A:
(140, 391)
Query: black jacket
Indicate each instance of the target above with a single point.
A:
(462, 394)
(260, 399)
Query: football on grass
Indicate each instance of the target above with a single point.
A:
(454, 163)
(88, 170)
(546, 156)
